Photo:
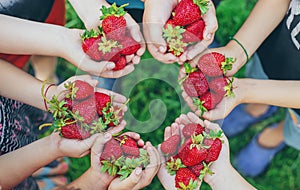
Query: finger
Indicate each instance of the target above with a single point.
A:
(184, 119)
(161, 155)
(98, 147)
(215, 127)
(129, 58)
(153, 33)
(194, 118)
(130, 182)
(189, 101)
(133, 135)
(86, 144)
(167, 133)
(194, 50)
(153, 166)
(136, 59)
(117, 129)
(117, 74)
(162, 57)
(211, 23)
(116, 97)
(142, 50)
(175, 129)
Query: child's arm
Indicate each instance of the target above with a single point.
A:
(21, 163)
(263, 19)
(270, 92)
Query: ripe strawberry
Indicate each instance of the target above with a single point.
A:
(194, 31)
(73, 131)
(214, 150)
(193, 153)
(192, 129)
(196, 84)
(129, 46)
(176, 47)
(185, 179)
(113, 21)
(83, 90)
(207, 101)
(86, 109)
(221, 86)
(102, 101)
(196, 169)
(112, 150)
(189, 11)
(169, 22)
(69, 103)
(90, 40)
(109, 49)
(170, 145)
(215, 64)
(129, 146)
(120, 64)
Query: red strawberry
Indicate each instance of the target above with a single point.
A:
(193, 153)
(129, 46)
(189, 11)
(215, 64)
(101, 101)
(196, 84)
(194, 31)
(169, 22)
(185, 179)
(197, 169)
(207, 101)
(120, 64)
(221, 86)
(90, 40)
(84, 90)
(129, 146)
(69, 103)
(86, 109)
(112, 150)
(73, 131)
(214, 150)
(170, 145)
(114, 23)
(192, 129)
(109, 49)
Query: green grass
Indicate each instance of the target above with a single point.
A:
(156, 102)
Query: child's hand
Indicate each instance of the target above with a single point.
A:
(155, 16)
(139, 178)
(211, 26)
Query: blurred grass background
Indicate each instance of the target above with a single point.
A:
(284, 169)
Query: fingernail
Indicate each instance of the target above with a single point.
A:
(138, 171)
(110, 65)
(208, 36)
(107, 136)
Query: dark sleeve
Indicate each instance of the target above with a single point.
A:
(216, 2)
(35, 10)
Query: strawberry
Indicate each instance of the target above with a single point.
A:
(73, 131)
(68, 104)
(90, 40)
(113, 21)
(189, 11)
(109, 49)
(192, 129)
(169, 22)
(185, 179)
(207, 101)
(102, 101)
(129, 46)
(86, 109)
(193, 153)
(196, 84)
(176, 47)
(170, 145)
(112, 150)
(196, 169)
(221, 86)
(82, 90)
(215, 145)
(194, 32)
(129, 146)
(120, 63)
(215, 64)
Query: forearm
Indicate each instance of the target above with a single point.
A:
(89, 180)
(20, 36)
(21, 163)
(21, 86)
(229, 179)
(263, 19)
(271, 92)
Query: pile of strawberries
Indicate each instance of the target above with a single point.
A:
(185, 26)
(121, 155)
(112, 41)
(191, 159)
(207, 83)
(82, 112)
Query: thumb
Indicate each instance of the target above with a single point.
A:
(154, 33)
(133, 179)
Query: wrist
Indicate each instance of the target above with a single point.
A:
(48, 91)
(219, 178)
(240, 54)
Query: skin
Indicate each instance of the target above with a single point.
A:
(155, 16)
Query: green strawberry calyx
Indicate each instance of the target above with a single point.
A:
(200, 105)
(192, 185)
(229, 88)
(203, 5)
(113, 10)
(188, 70)
(171, 32)
(107, 45)
(227, 64)
(173, 165)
